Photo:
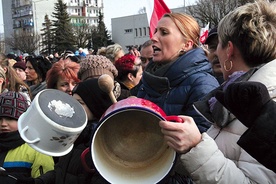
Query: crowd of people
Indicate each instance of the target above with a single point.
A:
(224, 91)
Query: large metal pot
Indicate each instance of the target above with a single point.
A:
(128, 146)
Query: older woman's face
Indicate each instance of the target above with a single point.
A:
(167, 41)
(31, 74)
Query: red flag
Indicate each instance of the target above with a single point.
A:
(154, 13)
(204, 34)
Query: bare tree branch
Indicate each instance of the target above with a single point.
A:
(25, 42)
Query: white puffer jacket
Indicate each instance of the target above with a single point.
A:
(219, 159)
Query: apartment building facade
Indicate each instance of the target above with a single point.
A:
(29, 15)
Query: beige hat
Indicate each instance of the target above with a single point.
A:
(93, 66)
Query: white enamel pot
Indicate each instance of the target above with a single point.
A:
(52, 123)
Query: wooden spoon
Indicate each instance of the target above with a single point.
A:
(106, 84)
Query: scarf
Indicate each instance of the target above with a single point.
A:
(10, 140)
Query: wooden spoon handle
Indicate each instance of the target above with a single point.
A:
(106, 84)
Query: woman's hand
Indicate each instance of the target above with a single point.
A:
(181, 136)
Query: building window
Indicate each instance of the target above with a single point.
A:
(128, 30)
(140, 31)
(145, 31)
(136, 32)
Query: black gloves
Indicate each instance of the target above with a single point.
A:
(251, 104)
(245, 100)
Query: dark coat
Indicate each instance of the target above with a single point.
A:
(187, 80)
(125, 92)
(69, 169)
(260, 139)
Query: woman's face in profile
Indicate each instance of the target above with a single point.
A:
(31, 74)
(167, 41)
(80, 100)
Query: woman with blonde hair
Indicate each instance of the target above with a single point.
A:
(114, 52)
(2, 79)
(14, 82)
(179, 73)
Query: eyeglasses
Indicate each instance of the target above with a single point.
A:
(144, 59)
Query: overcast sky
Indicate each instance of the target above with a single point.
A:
(114, 8)
(119, 8)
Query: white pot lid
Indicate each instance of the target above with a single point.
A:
(61, 108)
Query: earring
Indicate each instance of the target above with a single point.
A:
(181, 52)
(225, 67)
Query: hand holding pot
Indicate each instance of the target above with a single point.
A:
(181, 136)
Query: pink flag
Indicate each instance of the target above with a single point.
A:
(204, 34)
(155, 10)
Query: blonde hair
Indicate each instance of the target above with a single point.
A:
(251, 28)
(112, 51)
(102, 51)
(187, 25)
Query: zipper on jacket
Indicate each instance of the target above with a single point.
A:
(41, 170)
(202, 115)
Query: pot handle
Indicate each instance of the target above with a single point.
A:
(83, 161)
(174, 118)
(22, 134)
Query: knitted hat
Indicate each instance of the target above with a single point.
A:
(2, 74)
(96, 100)
(93, 66)
(12, 104)
(20, 65)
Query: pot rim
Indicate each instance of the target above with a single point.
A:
(112, 113)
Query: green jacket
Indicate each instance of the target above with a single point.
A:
(26, 157)
(19, 160)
